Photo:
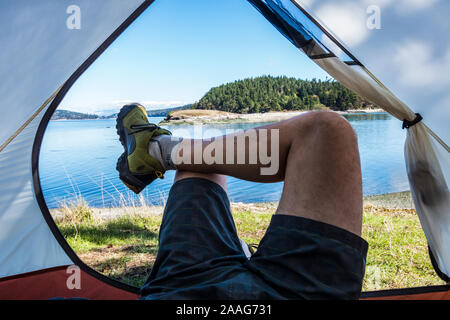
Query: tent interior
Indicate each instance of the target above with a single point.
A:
(400, 67)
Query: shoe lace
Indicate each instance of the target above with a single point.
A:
(142, 127)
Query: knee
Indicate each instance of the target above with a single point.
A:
(330, 126)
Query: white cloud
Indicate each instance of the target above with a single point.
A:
(153, 103)
(380, 3)
(114, 106)
(403, 6)
(420, 66)
(305, 3)
(406, 5)
(417, 4)
(346, 20)
(437, 116)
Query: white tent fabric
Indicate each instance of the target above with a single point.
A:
(26, 242)
(408, 51)
(39, 53)
(408, 55)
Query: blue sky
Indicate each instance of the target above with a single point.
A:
(177, 50)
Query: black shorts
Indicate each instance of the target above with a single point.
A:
(200, 255)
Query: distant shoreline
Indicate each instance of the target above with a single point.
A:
(81, 119)
(214, 116)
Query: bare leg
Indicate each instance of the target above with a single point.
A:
(220, 179)
(319, 164)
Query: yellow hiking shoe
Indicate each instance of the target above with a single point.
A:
(136, 167)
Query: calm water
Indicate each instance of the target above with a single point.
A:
(79, 158)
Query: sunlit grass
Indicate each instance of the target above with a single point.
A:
(124, 245)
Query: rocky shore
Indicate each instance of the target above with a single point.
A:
(194, 116)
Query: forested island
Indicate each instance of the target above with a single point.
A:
(165, 112)
(71, 115)
(62, 114)
(253, 96)
(267, 93)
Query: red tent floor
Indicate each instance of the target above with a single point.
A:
(52, 283)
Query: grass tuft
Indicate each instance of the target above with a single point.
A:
(75, 213)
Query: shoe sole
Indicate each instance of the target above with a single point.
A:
(119, 124)
(126, 176)
(122, 163)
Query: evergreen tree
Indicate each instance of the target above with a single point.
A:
(267, 93)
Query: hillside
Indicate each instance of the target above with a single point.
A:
(267, 93)
(165, 112)
(70, 115)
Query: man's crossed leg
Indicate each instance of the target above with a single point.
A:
(312, 248)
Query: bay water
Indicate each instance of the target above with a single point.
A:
(78, 159)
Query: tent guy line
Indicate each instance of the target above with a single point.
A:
(42, 107)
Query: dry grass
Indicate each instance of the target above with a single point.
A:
(75, 213)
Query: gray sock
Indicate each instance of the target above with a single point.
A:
(161, 148)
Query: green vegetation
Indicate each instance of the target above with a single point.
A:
(123, 248)
(76, 213)
(124, 245)
(61, 114)
(70, 115)
(267, 93)
(398, 252)
(166, 111)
